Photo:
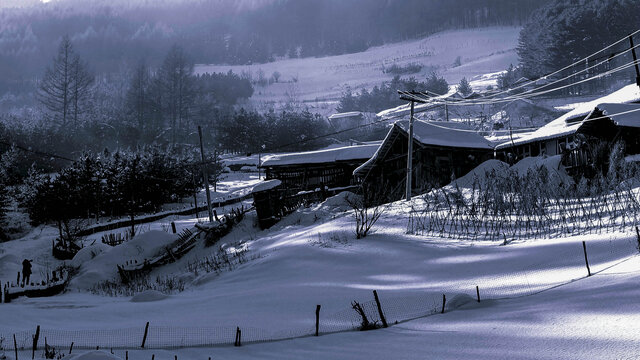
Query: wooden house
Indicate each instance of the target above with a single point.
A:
(441, 150)
(314, 169)
(576, 133)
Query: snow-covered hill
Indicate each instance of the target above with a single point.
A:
(481, 51)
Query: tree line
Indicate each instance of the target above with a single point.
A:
(385, 96)
(564, 31)
(112, 184)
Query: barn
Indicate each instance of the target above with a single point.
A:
(441, 150)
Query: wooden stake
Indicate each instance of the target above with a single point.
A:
(146, 331)
(173, 227)
(126, 355)
(153, 356)
(15, 346)
(586, 260)
(317, 319)
(478, 293)
(35, 342)
(444, 301)
(71, 348)
(384, 321)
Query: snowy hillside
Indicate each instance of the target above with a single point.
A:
(481, 51)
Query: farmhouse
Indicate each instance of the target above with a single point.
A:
(441, 150)
(577, 133)
(314, 169)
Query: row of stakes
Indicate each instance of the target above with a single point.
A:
(238, 336)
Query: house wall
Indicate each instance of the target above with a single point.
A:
(432, 166)
(312, 176)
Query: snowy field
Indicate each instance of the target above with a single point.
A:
(482, 51)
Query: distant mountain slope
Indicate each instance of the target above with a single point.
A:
(111, 33)
(481, 51)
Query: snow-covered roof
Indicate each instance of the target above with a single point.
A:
(266, 185)
(622, 114)
(434, 133)
(445, 133)
(357, 152)
(564, 125)
(345, 115)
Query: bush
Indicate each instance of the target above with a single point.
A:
(396, 69)
(367, 209)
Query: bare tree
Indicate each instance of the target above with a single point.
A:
(137, 100)
(81, 83)
(367, 209)
(174, 81)
(65, 85)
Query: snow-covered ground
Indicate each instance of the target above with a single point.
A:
(482, 51)
(312, 257)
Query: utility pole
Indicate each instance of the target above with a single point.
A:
(446, 110)
(205, 175)
(410, 154)
(635, 60)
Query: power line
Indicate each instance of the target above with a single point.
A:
(415, 96)
(608, 116)
(574, 63)
(37, 152)
(532, 92)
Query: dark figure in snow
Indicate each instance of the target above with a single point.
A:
(26, 272)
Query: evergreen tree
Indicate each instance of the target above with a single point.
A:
(464, 87)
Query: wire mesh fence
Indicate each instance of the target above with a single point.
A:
(567, 265)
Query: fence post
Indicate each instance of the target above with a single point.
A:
(478, 293)
(35, 342)
(317, 319)
(126, 355)
(15, 346)
(638, 235)
(71, 348)
(146, 331)
(173, 227)
(444, 301)
(384, 321)
(586, 260)
(238, 337)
